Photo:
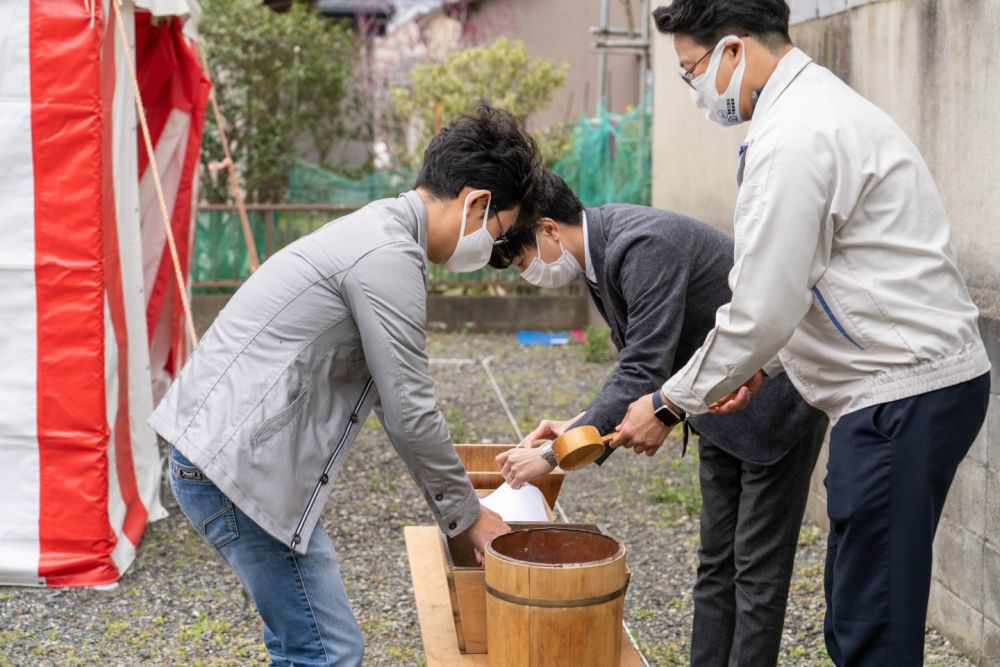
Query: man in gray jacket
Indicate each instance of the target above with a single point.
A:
(263, 413)
(657, 278)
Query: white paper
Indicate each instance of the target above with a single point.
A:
(525, 504)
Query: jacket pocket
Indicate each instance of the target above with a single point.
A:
(837, 317)
(276, 424)
(349, 365)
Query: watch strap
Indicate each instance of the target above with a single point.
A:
(550, 456)
(663, 411)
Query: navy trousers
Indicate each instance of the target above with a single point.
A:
(889, 472)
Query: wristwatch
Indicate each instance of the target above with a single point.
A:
(546, 451)
(663, 411)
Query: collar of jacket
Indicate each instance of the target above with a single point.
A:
(597, 237)
(789, 67)
(415, 217)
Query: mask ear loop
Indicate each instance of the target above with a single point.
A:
(538, 248)
(486, 213)
(465, 213)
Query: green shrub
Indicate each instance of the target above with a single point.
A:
(597, 345)
(502, 73)
(276, 76)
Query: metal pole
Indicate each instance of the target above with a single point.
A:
(643, 80)
(602, 58)
(295, 97)
(644, 60)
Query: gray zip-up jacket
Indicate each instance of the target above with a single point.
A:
(274, 395)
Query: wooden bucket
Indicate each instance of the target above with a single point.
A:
(467, 586)
(555, 597)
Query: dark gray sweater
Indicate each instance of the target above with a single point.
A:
(660, 279)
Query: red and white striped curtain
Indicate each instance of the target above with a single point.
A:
(79, 468)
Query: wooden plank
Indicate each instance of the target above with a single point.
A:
(430, 590)
(470, 595)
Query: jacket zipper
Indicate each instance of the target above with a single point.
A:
(329, 464)
(833, 318)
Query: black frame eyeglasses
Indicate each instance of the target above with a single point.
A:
(503, 234)
(688, 75)
(501, 246)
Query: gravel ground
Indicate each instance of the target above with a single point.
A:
(179, 605)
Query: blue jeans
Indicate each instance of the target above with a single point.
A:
(301, 598)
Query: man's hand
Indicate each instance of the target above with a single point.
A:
(641, 430)
(522, 464)
(739, 399)
(484, 530)
(548, 429)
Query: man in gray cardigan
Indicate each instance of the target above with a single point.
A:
(658, 278)
(262, 415)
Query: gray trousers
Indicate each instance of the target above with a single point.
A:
(750, 520)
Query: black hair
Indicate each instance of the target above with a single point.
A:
(708, 21)
(487, 149)
(552, 198)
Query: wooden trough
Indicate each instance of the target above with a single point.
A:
(450, 589)
(480, 463)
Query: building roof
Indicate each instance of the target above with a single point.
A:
(382, 8)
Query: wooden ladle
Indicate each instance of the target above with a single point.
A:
(580, 446)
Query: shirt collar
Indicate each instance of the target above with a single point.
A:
(588, 264)
(789, 67)
(415, 217)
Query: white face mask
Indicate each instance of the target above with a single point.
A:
(723, 109)
(473, 251)
(557, 274)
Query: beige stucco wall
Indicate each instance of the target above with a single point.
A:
(932, 65)
(559, 30)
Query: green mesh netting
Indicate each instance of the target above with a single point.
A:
(610, 159)
(220, 253)
(609, 162)
(311, 184)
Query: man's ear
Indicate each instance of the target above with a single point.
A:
(549, 227)
(739, 50)
(482, 201)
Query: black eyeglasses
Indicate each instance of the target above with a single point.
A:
(502, 255)
(688, 75)
(503, 234)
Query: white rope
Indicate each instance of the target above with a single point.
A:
(178, 274)
(447, 361)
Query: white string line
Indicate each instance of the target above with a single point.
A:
(503, 401)
(520, 437)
